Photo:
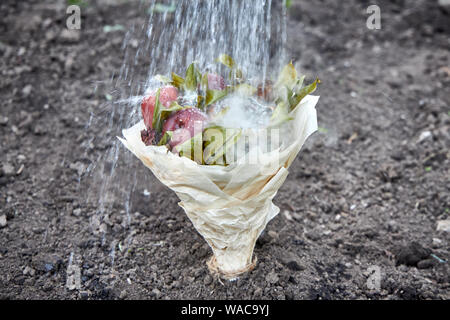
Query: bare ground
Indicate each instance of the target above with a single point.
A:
(367, 191)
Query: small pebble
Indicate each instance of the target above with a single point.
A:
(426, 135)
(437, 242)
(76, 212)
(26, 91)
(3, 222)
(123, 295)
(443, 225)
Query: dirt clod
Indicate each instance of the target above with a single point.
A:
(46, 263)
(292, 262)
(412, 254)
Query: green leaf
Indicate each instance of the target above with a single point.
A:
(298, 97)
(290, 96)
(218, 140)
(192, 149)
(166, 112)
(235, 72)
(287, 77)
(165, 138)
(231, 141)
(204, 87)
(212, 96)
(198, 76)
(299, 84)
(191, 78)
(204, 84)
(156, 124)
(280, 115)
(288, 3)
(201, 102)
(227, 61)
(161, 113)
(177, 81)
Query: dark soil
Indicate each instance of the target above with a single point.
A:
(365, 194)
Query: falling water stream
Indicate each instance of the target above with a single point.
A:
(252, 32)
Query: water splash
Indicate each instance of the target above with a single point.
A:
(206, 29)
(252, 32)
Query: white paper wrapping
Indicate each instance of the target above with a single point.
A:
(228, 205)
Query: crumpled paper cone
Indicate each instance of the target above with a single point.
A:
(231, 205)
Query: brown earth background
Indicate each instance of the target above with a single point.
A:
(369, 192)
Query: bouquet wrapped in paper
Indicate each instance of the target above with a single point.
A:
(225, 177)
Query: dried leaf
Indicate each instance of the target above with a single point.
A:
(191, 78)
